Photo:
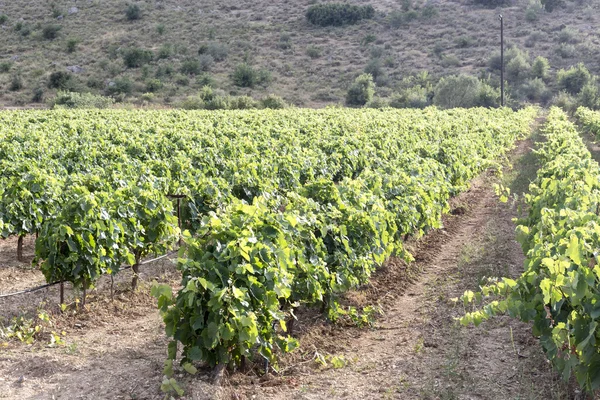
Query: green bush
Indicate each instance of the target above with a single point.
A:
(37, 96)
(81, 100)
(50, 32)
(377, 103)
(165, 51)
(217, 51)
(313, 51)
(457, 91)
(206, 62)
(121, 86)
(413, 97)
(361, 91)
(535, 90)
(374, 68)
(429, 11)
(588, 96)
(242, 103)
(190, 67)
(540, 68)
(517, 69)
(192, 103)
(133, 12)
(274, 102)
(491, 3)
(160, 29)
(135, 57)
(566, 50)
(565, 101)
(5, 67)
(153, 85)
(16, 83)
(488, 96)
(568, 35)
(337, 14)
(495, 61)
(3, 19)
(574, 79)
(245, 75)
(181, 80)
(72, 45)
(60, 80)
(551, 5)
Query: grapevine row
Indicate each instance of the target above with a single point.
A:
(281, 208)
(559, 290)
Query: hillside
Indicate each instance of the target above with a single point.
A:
(305, 64)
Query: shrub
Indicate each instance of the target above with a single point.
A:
(60, 80)
(192, 103)
(119, 86)
(361, 91)
(413, 97)
(396, 19)
(5, 66)
(153, 85)
(50, 32)
(274, 102)
(368, 39)
(135, 57)
(313, 51)
(487, 96)
(242, 103)
(574, 79)
(464, 41)
(218, 51)
(337, 14)
(377, 103)
(94, 82)
(190, 67)
(160, 29)
(535, 90)
(245, 75)
(588, 96)
(457, 91)
(72, 45)
(533, 9)
(551, 5)
(495, 61)
(165, 51)
(450, 61)
(81, 100)
(533, 39)
(566, 51)
(217, 103)
(568, 35)
(540, 68)
(429, 11)
(374, 68)
(517, 69)
(491, 3)
(565, 101)
(133, 12)
(285, 42)
(205, 80)
(181, 80)
(37, 96)
(3, 19)
(206, 62)
(165, 70)
(16, 83)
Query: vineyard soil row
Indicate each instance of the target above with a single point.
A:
(116, 350)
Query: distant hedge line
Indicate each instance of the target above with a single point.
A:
(336, 14)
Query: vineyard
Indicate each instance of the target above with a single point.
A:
(277, 212)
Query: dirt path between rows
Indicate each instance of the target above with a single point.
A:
(115, 350)
(416, 350)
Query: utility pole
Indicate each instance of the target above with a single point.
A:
(501, 60)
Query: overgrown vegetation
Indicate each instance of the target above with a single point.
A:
(337, 14)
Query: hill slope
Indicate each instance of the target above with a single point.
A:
(307, 65)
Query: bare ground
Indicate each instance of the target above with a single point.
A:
(116, 349)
